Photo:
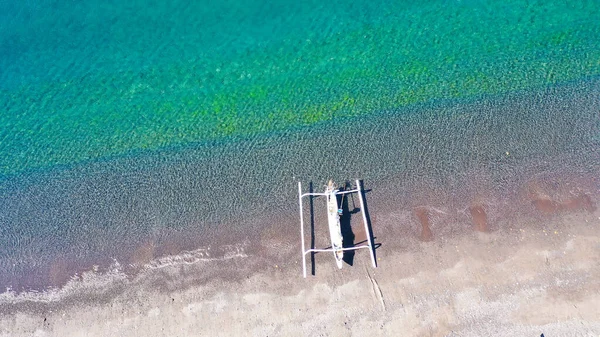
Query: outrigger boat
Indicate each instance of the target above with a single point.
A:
(333, 218)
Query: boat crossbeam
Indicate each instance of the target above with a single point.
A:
(333, 250)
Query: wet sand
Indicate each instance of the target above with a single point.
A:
(523, 279)
(423, 216)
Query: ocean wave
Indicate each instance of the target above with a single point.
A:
(225, 252)
(89, 281)
(97, 282)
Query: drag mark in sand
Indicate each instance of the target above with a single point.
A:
(376, 290)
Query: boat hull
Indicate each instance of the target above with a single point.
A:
(335, 230)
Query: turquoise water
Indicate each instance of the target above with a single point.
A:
(95, 79)
(171, 124)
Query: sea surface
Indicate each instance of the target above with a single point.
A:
(135, 130)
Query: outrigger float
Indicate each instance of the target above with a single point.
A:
(334, 211)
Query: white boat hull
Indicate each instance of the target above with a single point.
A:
(335, 230)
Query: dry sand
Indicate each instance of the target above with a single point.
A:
(516, 281)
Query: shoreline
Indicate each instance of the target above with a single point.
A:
(275, 245)
(537, 277)
(540, 200)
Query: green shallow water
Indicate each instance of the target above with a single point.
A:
(89, 80)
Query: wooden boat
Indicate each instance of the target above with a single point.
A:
(333, 217)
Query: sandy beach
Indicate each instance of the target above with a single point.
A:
(523, 279)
